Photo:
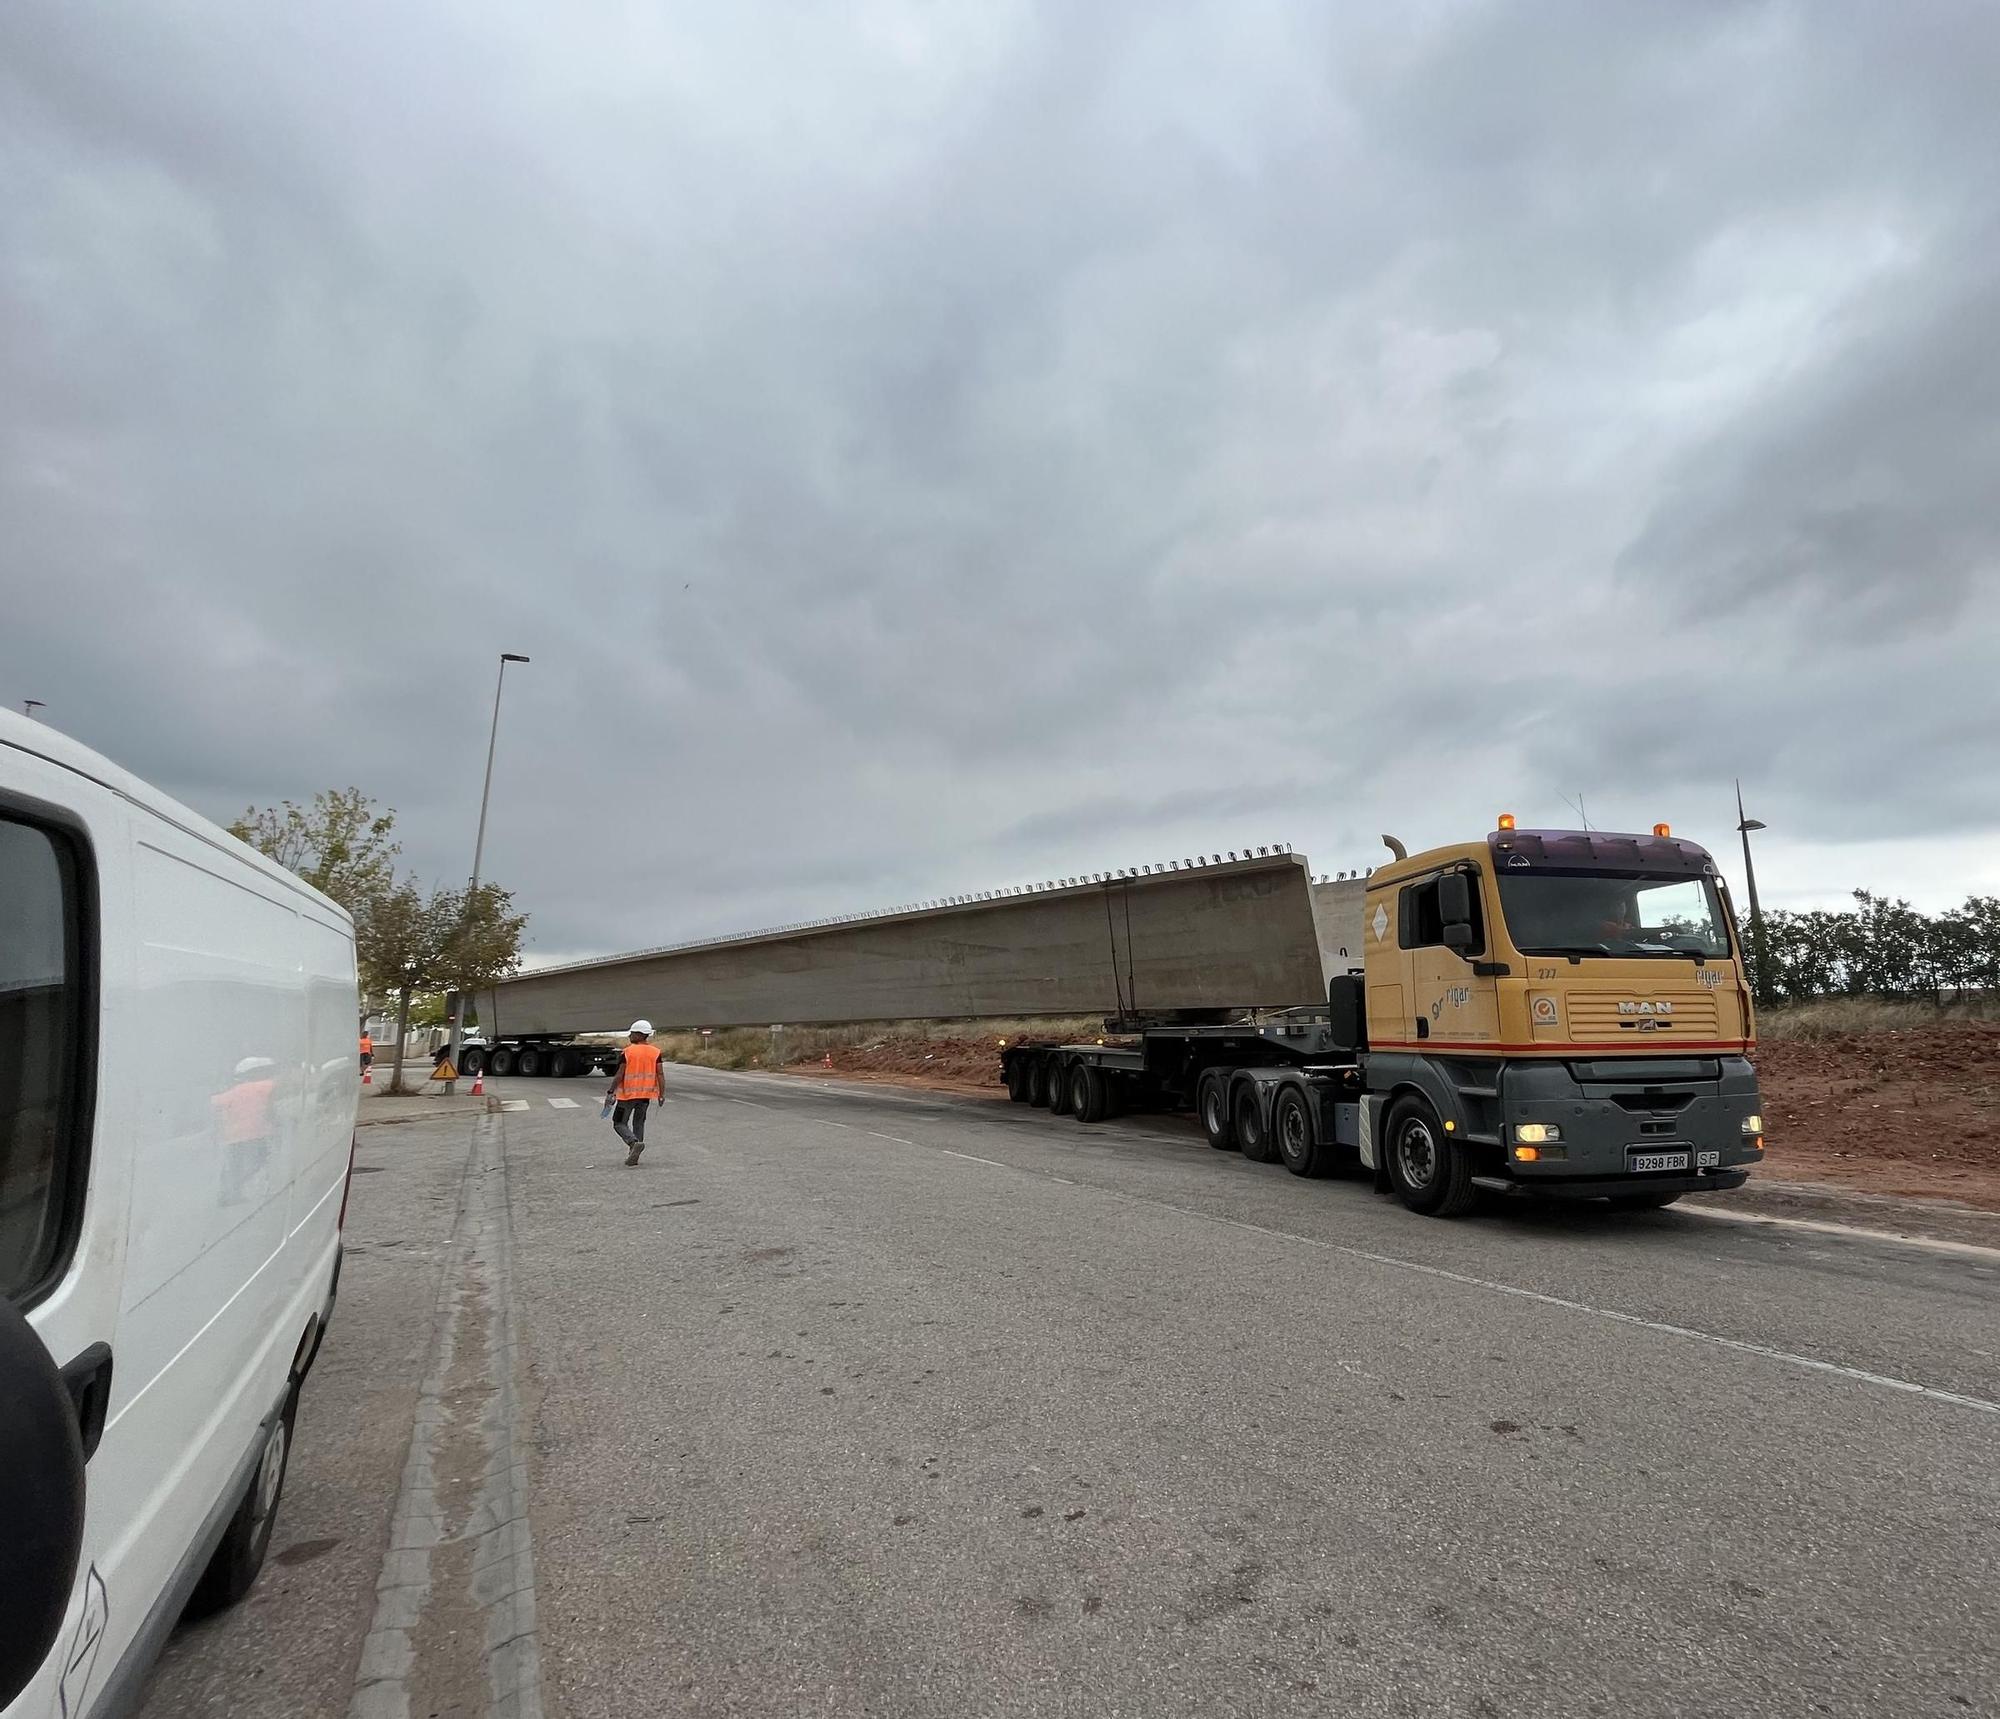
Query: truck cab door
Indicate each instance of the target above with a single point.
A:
(1450, 1003)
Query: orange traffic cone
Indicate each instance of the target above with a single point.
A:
(368, 1076)
(479, 1084)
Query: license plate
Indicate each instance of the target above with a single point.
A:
(1657, 1161)
(1707, 1160)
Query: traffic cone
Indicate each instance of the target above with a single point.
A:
(827, 1060)
(368, 1075)
(479, 1084)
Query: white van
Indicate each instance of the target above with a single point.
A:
(177, 1092)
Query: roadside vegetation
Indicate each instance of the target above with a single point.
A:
(410, 942)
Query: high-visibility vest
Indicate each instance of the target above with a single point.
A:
(640, 1077)
(367, 1044)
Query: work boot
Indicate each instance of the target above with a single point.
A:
(632, 1157)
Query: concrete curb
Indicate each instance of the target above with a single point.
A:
(478, 1267)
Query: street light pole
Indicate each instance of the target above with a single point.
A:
(1761, 979)
(479, 843)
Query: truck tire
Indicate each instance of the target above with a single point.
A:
(239, 1555)
(1020, 1084)
(501, 1061)
(472, 1062)
(1431, 1171)
(529, 1062)
(1038, 1082)
(1211, 1103)
(1292, 1132)
(1641, 1202)
(1086, 1093)
(1251, 1134)
(563, 1064)
(1058, 1087)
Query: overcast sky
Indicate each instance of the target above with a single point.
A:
(928, 447)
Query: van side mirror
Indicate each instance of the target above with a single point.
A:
(41, 1501)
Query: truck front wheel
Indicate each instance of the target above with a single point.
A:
(1432, 1173)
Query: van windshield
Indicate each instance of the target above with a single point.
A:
(1622, 914)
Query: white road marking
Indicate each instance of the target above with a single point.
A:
(893, 1139)
(562, 1104)
(513, 1104)
(1763, 1350)
(829, 1122)
(1822, 1226)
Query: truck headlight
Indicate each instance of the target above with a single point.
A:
(1753, 1125)
(1536, 1133)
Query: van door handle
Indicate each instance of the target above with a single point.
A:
(88, 1381)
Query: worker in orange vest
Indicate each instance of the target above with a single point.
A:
(367, 1049)
(638, 1081)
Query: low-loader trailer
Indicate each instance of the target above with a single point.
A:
(1545, 1012)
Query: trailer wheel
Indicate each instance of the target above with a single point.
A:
(1250, 1129)
(1087, 1099)
(1038, 1082)
(1292, 1132)
(1020, 1083)
(563, 1064)
(1432, 1172)
(502, 1060)
(1211, 1099)
(472, 1062)
(1058, 1084)
(529, 1062)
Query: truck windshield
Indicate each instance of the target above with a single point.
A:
(1625, 914)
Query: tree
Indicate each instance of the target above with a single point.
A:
(450, 939)
(339, 844)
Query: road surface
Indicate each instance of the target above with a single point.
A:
(850, 1401)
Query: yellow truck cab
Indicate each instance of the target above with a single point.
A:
(1556, 1011)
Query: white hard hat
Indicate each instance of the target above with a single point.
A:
(645, 1027)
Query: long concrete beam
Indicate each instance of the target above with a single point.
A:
(1253, 932)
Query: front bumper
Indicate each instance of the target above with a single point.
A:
(1608, 1110)
(1612, 1187)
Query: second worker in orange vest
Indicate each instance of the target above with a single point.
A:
(638, 1082)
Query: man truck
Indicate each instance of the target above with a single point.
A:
(1555, 1012)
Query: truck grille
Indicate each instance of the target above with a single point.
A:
(1602, 1016)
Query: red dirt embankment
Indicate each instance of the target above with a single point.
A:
(1910, 1113)
(1913, 1114)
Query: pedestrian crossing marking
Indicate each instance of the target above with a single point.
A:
(513, 1104)
(562, 1104)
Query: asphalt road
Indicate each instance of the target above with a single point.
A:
(855, 1402)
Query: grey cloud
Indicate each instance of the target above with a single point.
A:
(920, 450)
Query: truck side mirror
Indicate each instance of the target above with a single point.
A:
(1458, 936)
(41, 1501)
(1455, 900)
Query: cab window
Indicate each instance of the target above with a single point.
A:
(42, 1024)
